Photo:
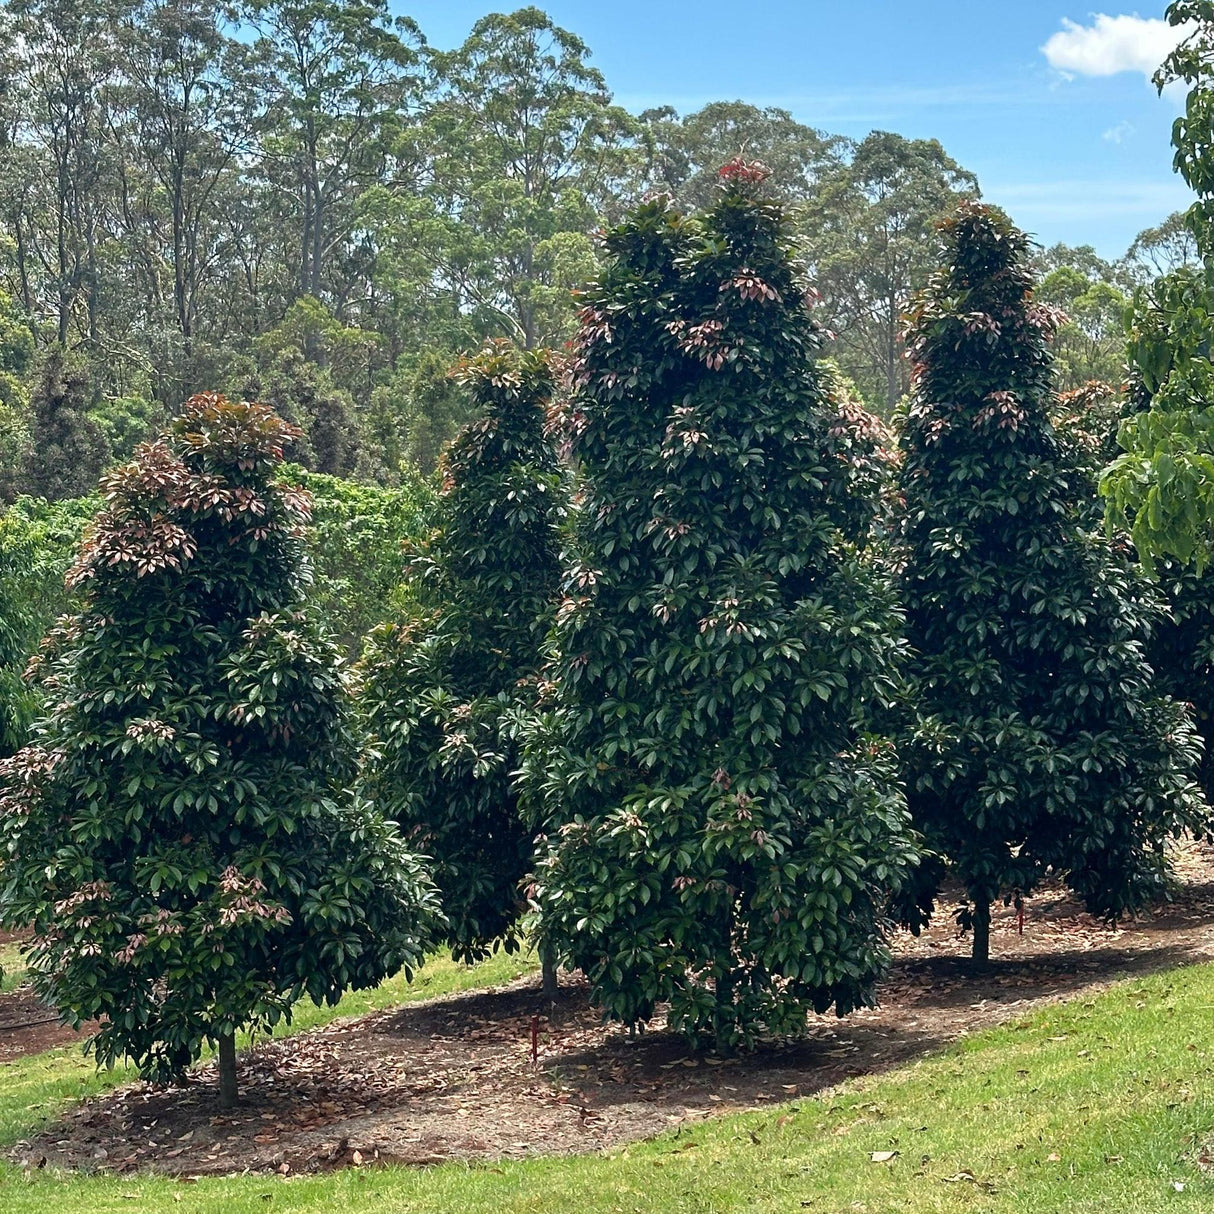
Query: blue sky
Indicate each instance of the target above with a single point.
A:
(1073, 142)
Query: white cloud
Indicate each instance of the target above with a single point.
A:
(1112, 44)
(1119, 133)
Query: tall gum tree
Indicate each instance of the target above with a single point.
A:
(1040, 742)
(724, 831)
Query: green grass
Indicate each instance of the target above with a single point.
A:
(34, 1089)
(1099, 1107)
(12, 966)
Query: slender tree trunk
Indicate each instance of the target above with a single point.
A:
(982, 931)
(227, 1071)
(550, 985)
(724, 1016)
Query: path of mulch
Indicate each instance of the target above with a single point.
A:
(453, 1077)
(28, 1026)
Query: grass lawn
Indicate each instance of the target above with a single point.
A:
(1101, 1106)
(12, 966)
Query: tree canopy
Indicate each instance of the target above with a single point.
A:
(179, 834)
(1039, 742)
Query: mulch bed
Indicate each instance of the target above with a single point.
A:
(454, 1078)
(28, 1026)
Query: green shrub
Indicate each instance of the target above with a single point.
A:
(1040, 741)
(441, 689)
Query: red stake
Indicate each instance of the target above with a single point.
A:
(535, 1039)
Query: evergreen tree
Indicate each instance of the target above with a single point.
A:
(1040, 742)
(441, 690)
(730, 833)
(177, 834)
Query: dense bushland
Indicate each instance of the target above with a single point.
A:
(308, 205)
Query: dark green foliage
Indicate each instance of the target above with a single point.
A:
(442, 689)
(305, 394)
(68, 448)
(178, 835)
(1039, 741)
(730, 833)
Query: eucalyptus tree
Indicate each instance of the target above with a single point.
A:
(337, 79)
(66, 56)
(868, 238)
(1159, 250)
(524, 148)
(180, 117)
(682, 155)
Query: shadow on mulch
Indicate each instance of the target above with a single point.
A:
(454, 1078)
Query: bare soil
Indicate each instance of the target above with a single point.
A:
(28, 1026)
(454, 1078)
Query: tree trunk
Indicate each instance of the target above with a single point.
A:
(982, 931)
(227, 1071)
(550, 986)
(724, 1016)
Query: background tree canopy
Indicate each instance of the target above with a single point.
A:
(307, 204)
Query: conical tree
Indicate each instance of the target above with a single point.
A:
(441, 690)
(177, 835)
(1039, 742)
(729, 833)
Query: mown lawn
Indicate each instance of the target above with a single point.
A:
(1101, 1106)
(12, 967)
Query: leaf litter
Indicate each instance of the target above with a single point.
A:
(453, 1077)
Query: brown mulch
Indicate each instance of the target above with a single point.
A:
(453, 1078)
(28, 1026)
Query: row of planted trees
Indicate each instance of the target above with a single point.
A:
(717, 698)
